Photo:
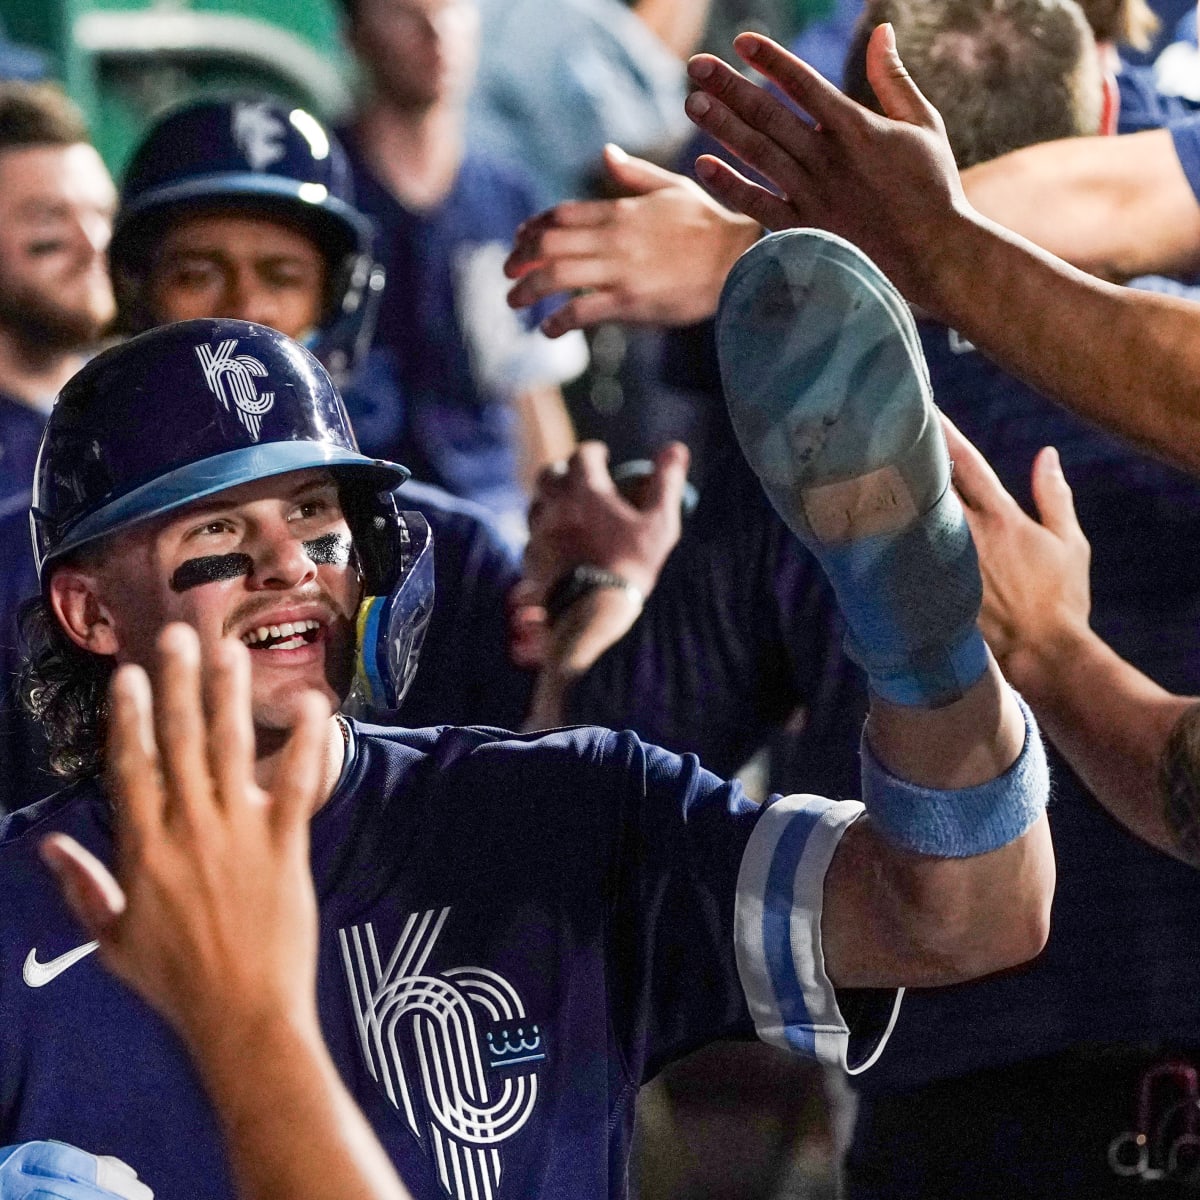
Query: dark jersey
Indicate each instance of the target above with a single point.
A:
(20, 433)
(448, 354)
(515, 933)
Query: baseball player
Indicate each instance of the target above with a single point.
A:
(513, 932)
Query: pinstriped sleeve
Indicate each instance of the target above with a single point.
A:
(778, 937)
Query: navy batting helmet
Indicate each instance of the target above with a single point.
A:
(191, 409)
(264, 157)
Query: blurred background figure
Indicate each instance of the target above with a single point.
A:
(56, 206)
(456, 386)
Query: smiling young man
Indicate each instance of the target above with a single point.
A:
(494, 982)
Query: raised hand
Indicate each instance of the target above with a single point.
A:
(886, 183)
(579, 516)
(658, 255)
(200, 846)
(1036, 597)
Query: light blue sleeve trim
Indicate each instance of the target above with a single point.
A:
(960, 824)
(781, 887)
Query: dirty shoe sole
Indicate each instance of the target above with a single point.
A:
(828, 389)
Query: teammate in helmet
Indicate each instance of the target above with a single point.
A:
(492, 983)
(245, 208)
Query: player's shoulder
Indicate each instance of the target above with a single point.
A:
(448, 746)
(75, 807)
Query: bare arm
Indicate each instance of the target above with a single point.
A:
(1115, 207)
(1110, 721)
(214, 918)
(546, 432)
(658, 255)
(892, 915)
(889, 184)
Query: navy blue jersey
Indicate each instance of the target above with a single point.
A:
(448, 354)
(20, 433)
(1186, 135)
(1143, 106)
(465, 676)
(741, 632)
(514, 935)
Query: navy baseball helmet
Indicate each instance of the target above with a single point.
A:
(185, 411)
(264, 157)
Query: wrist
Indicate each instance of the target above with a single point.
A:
(582, 581)
(1040, 669)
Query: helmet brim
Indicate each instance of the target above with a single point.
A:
(199, 480)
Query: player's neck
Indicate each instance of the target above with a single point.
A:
(33, 373)
(416, 152)
(269, 760)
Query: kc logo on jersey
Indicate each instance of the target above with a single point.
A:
(460, 1037)
(259, 134)
(230, 377)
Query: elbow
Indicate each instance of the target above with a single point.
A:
(980, 916)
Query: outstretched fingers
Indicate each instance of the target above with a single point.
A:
(179, 724)
(132, 759)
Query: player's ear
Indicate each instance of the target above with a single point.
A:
(75, 599)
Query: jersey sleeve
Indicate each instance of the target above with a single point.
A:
(778, 938)
(716, 920)
(1186, 135)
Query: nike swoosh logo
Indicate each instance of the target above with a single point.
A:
(38, 974)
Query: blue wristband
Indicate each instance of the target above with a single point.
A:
(960, 824)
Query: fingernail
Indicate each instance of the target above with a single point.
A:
(1052, 459)
(747, 47)
(697, 104)
(700, 68)
(615, 152)
(705, 169)
(889, 37)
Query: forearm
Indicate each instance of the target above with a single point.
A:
(1114, 208)
(1125, 359)
(545, 429)
(291, 1128)
(958, 908)
(590, 626)
(1111, 723)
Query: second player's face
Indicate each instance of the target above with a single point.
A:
(246, 267)
(267, 563)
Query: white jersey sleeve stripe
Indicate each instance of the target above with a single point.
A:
(778, 930)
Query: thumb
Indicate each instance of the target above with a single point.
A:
(898, 96)
(665, 487)
(633, 175)
(1052, 495)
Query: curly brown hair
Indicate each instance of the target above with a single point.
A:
(64, 688)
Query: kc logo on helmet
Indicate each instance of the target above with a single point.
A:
(259, 134)
(230, 377)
